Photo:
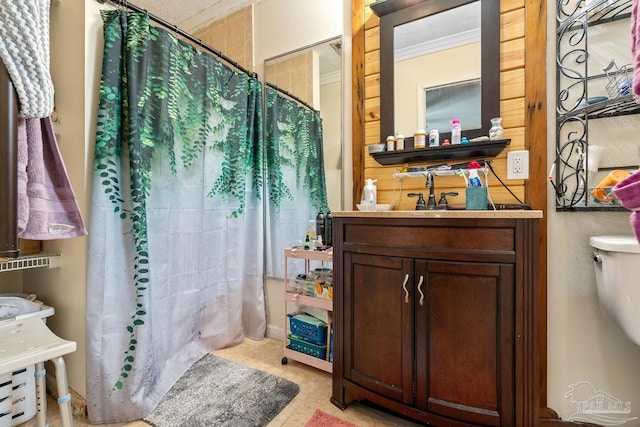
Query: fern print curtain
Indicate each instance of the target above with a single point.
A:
(175, 250)
(295, 175)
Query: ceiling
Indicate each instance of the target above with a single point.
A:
(196, 15)
(201, 12)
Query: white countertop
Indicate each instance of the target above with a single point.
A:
(488, 214)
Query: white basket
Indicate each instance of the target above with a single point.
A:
(18, 389)
(17, 397)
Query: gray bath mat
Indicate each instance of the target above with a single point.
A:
(218, 392)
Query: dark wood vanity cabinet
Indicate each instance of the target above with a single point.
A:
(434, 318)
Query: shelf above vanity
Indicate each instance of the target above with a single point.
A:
(450, 152)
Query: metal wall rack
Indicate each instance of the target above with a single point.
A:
(575, 107)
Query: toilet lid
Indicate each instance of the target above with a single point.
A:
(616, 243)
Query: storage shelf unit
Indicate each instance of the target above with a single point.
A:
(576, 107)
(289, 297)
(447, 152)
(310, 301)
(31, 261)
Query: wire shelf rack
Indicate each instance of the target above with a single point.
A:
(30, 261)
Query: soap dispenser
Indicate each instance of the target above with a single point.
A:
(369, 195)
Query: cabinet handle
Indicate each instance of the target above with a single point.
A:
(420, 290)
(404, 286)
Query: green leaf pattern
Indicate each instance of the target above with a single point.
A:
(160, 93)
(293, 140)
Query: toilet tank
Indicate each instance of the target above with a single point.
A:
(617, 268)
(625, 244)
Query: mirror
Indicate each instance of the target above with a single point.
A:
(314, 75)
(457, 78)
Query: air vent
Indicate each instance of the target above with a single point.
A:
(337, 47)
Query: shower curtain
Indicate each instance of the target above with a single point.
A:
(295, 176)
(176, 224)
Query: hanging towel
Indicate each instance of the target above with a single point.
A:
(24, 49)
(47, 207)
(635, 45)
(628, 191)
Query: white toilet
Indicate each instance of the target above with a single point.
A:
(617, 264)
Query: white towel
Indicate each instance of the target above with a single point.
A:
(24, 49)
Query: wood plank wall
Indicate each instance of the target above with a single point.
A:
(523, 109)
(512, 106)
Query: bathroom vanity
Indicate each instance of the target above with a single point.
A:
(435, 314)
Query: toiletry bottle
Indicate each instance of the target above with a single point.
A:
(474, 179)
(419, 139)
(309, 242)
(391, 143)
(455, 131)
(434, 138)
(319, 224)
(328, 220)
(369, 196)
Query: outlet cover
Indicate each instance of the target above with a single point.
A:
(518, 164)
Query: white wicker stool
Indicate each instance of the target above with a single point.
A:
(27, 342)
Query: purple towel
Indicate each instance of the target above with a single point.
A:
(634, 219)
(635, 45)
(47, 206)
(628, 191)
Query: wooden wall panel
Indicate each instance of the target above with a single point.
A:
(357, 96)
(372, 109)
(512, 84)
(537, 185)
(372, 133)
(512, 54)
(512, 112)
(372, 86)
(512, 25)
(372, 62)
(512, 92)
(517, 140)
(371, 39)
(370, 19)
(401, 201)
(508, 5)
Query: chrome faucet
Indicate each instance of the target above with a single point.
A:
(431, 202)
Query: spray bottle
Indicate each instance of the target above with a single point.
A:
(369, 195)
(456, 131)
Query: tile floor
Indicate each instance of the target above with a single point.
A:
(266, 355)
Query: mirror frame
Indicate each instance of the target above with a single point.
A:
(397, 12)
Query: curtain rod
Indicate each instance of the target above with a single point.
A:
(183, 33)
(290, 95)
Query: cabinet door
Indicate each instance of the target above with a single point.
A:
(464, 342)
(378, 321)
